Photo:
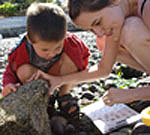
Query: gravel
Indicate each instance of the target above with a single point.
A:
(89, 92)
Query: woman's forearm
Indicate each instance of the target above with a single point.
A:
(84, 76)
(142, 93)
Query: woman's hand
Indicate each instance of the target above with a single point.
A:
(116, 96)
(54, 81)
(9, 88)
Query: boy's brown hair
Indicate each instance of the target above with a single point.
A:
(45, 21)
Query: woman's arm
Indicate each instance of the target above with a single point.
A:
(142, 93)
(116, 96)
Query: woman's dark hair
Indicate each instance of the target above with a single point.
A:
(46, 21)
(77, 6)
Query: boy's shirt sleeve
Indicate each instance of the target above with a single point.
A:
(77, 51)
(9, 76)
(16, 58)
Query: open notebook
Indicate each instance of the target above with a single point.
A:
(108, 118)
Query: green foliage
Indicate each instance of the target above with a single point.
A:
(25, 3)
(125, 83)
(17, 7)
(9, 9)
(119, 73)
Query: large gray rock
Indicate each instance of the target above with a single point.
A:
(25, 111)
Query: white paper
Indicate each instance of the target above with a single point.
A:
(108, 118)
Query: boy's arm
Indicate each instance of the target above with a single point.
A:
(9, 82)
(9, 76)
(8, 89)
(17, 56)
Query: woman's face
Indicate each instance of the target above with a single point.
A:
(101, 22)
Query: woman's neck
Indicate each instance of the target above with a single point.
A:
(129, 7)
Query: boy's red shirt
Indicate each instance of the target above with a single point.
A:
(72, 46)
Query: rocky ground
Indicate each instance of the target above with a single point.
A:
(121, 76)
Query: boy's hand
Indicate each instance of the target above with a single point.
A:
(54, 81)
(39, 74)
(9, 88)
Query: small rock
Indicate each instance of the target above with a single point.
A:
(118, 133)
(1, 37)
(83, 133)
(93, 89)
(58, 124)
(69, 129)
(88, 95)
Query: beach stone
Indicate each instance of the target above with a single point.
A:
(128, 131)
(1, 36)
(85, 126)
(118, 133)
(58, 125)
(69, 129)
(141, 129)
(24, 112)
(128, 72)
(93, 89)
(83, 133)
(88, 95)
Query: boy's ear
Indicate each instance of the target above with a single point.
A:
(28, 38)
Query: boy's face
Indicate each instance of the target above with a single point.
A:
(48, 50)
(101, 22)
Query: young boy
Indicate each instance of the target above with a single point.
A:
(46, 47)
